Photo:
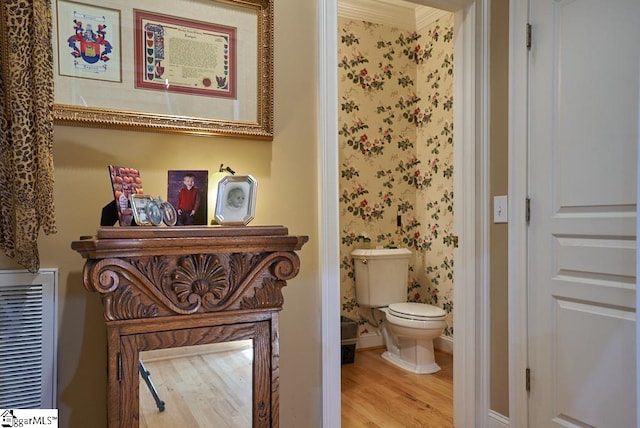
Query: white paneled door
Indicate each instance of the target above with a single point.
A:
(583, 134)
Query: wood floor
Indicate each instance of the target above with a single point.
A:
(206, 386)
(202, 389)
(376, 393)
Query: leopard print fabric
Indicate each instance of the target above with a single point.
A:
(26, 128)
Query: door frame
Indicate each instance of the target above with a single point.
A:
(518, 192)
(471, 216)
(517, 277)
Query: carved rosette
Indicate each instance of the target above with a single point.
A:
(200, 279)
(157, 286)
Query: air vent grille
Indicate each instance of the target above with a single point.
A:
(27, 340)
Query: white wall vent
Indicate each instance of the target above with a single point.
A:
(28, 339)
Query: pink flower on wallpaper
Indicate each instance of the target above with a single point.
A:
(407, 89)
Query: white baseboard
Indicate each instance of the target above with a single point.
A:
(370, 340)
(496, 420)
(444, 344)
(375, 340)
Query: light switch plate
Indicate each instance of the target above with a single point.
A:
(500, 214)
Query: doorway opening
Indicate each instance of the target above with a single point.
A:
(469, 143)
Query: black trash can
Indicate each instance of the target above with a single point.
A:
(348, 339)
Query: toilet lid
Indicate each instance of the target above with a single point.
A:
(417, 311)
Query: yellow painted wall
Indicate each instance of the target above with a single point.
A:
(286, 171)
(499, 346)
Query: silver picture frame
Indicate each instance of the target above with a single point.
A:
(236, 200)
(140, 205)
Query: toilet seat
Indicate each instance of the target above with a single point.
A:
(417, 311)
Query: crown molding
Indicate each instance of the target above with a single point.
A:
(394, 13)
(428, 15)
(377, 12)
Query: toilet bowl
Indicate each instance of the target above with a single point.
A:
(408, 330)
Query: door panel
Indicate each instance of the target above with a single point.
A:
(596, 100)
(588, 342)
(584, 69)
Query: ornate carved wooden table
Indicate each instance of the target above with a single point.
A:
(181, 286)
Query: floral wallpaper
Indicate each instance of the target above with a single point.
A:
(396, 155)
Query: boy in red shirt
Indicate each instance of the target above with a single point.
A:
(188, 200)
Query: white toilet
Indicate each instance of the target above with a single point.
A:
(408, 328)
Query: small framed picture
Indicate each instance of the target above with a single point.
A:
(169, 213)
(145, 212)
(125, 182)
(236, 201)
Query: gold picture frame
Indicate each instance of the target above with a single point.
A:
(101, 55)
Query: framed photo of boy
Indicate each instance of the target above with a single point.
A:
(187, 192)
(236, 200)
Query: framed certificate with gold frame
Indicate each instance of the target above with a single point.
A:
(198, 67)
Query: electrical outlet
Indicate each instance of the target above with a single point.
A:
(500, 214)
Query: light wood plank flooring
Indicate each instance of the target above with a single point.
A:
(206, 386)
(376, 393)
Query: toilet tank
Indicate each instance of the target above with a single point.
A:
(381, 275)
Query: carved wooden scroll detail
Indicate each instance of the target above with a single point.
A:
(157, 286)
